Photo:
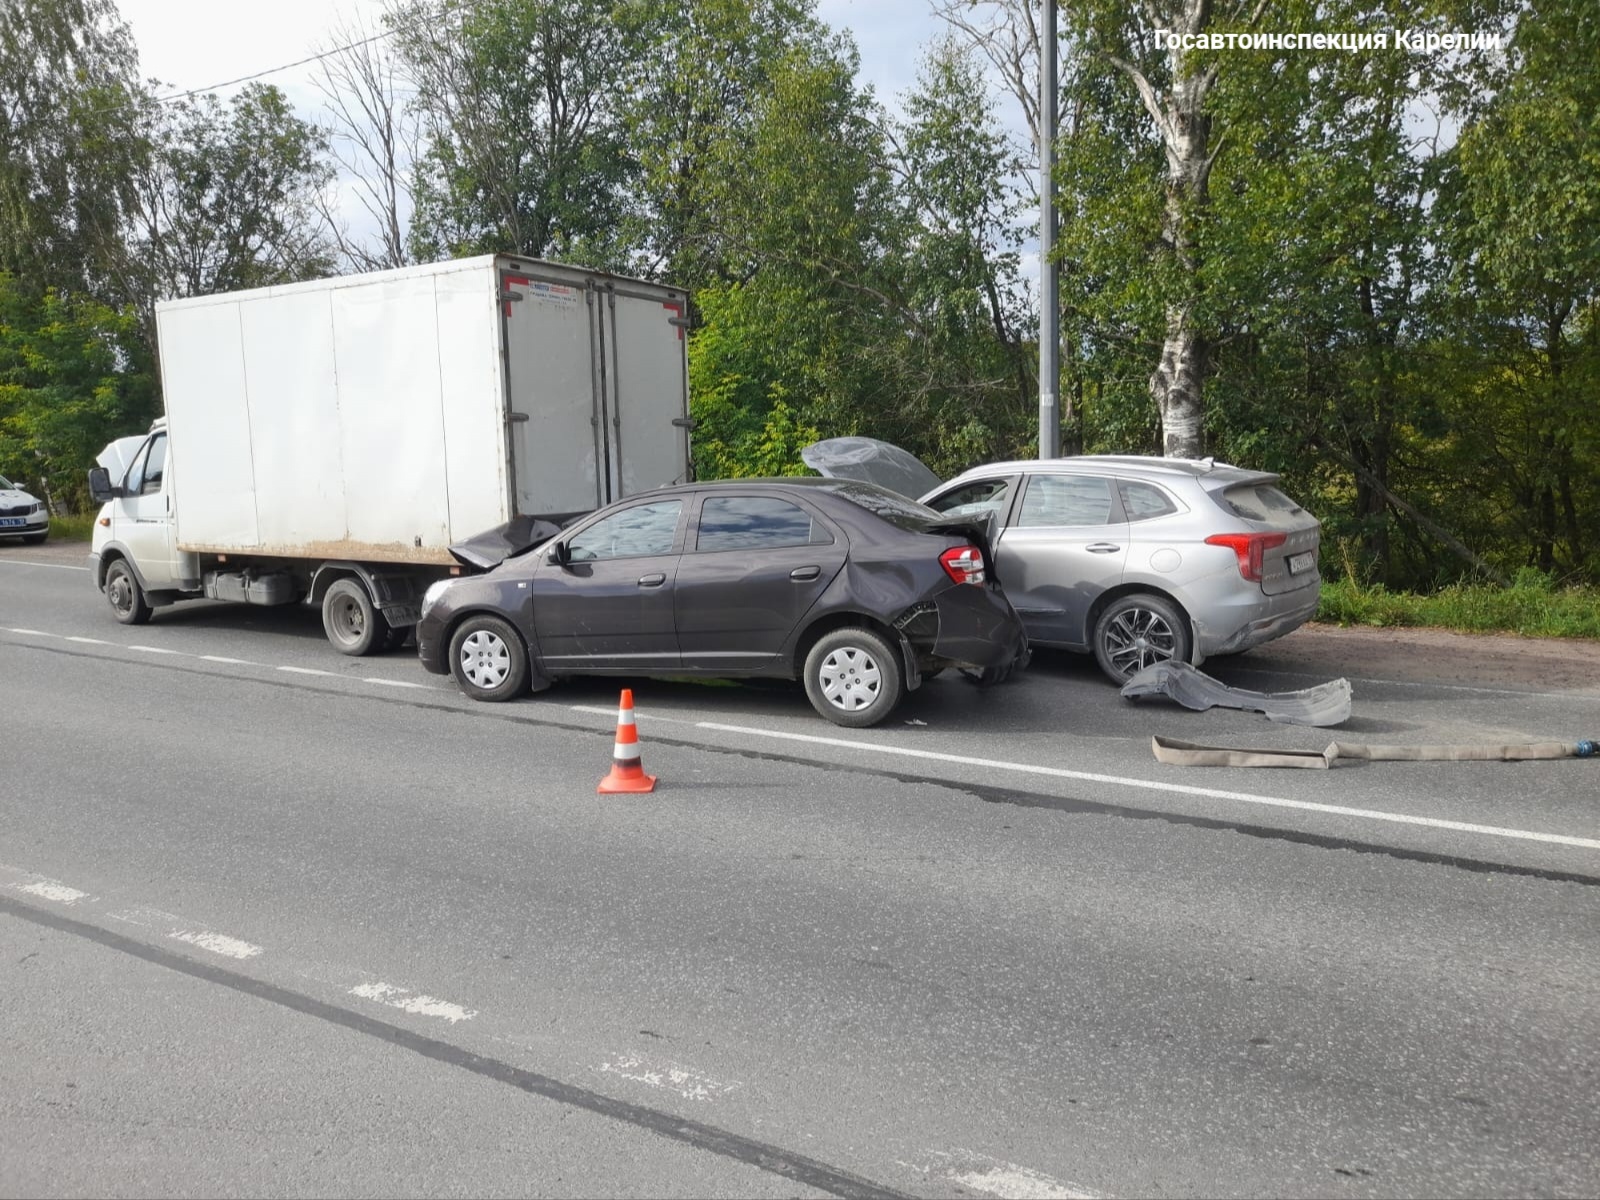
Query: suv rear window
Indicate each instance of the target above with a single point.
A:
(1261, 502)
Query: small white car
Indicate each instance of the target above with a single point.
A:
(22, 515)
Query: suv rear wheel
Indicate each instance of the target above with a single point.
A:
(854, 677)
(1136, 631)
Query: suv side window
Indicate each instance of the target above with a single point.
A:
(1066, 500)
(756, 523)
(1141, 501)
(975, 499)
(634, 532)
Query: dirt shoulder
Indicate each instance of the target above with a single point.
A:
(1435, 656)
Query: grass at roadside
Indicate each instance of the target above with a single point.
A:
(78, 528)
(1531, 607)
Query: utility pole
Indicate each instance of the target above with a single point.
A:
(1049, 271)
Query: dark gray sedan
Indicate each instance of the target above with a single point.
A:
(852, 589)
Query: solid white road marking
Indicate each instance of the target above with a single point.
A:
(1181, 789)
(49, 889)
(1150, 785)
(28, 562)
(217, 943)
(411, 1002)
(672, 1077)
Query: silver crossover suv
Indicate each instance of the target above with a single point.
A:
(1144, 559)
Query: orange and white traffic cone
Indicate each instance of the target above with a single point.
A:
(626, 773)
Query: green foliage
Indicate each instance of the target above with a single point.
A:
(1533, 611)
(66, 387)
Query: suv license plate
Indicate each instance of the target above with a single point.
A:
(1301, 562)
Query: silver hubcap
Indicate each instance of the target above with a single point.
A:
(485, 659)
(349, 622)
(121, 593)
(1137, 638)
(850, 678)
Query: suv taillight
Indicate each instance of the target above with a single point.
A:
(964, 564)
(1250, 547)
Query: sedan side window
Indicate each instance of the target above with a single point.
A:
(975, 499)
(1066, 500)
(756, 523)
(632, 533)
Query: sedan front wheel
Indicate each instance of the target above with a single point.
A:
(854, 677)
(488, 660)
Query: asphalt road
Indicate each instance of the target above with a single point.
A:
(274, 921)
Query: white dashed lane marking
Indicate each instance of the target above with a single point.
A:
(232, 662)
(668, 1076)
(412, 1002)
(217, 943)
(49, 889)
(308, 671)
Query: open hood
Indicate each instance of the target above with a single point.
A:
(118, 456)
(487, 550)
(870, 461)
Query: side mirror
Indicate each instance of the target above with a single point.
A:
(560, 554)
(100, 488)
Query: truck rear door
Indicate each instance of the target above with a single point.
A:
(598, 388)
(552, 348)
(647, 391)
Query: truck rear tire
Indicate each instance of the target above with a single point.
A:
(128, 604)
(351, 622)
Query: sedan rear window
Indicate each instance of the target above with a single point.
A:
(756, 523)
(1262, 502)
(895, 509)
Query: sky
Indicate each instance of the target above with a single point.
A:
(198, 43)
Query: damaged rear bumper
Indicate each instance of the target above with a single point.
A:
(964, 626)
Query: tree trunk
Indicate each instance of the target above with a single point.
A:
(1177, 384)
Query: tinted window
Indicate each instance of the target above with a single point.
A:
(755, 523)
(631, 533)
(1066, 500)
(892, 507)
(1261, 502)
(1141, 501)
(975, 499)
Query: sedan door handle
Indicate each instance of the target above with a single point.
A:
(1102, 548)
(652, 580)
(802, 574)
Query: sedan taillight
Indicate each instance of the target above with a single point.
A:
(964, 564)
(1251, 548)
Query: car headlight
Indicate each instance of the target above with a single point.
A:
(38, 506)
(434, 592)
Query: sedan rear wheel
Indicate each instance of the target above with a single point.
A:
(488, 660)
(1138, 631)
(854, 677)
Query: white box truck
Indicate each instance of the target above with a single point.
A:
(327, 442)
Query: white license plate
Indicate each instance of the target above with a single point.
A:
(10, 521)
(1302, 562)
